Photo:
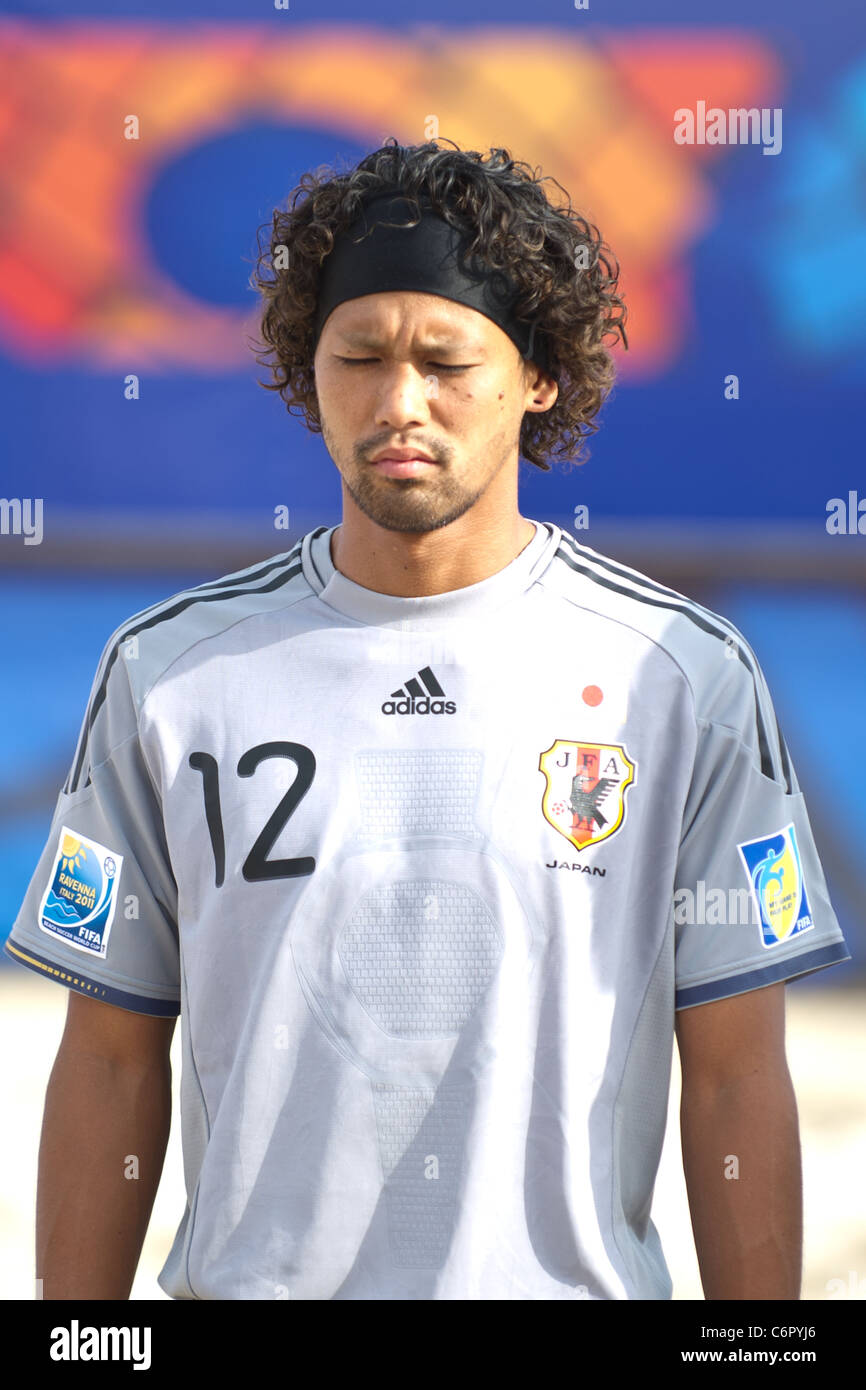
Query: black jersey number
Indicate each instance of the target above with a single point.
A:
(257, 866)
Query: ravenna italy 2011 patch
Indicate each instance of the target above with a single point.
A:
(78, 904)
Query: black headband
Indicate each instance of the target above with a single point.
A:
(425, 257)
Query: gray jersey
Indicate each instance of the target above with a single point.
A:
(426, 879)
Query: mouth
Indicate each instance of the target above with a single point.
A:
(403, 467)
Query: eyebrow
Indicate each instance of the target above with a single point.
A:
(364, 340)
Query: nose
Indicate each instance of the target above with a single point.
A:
(404, 396)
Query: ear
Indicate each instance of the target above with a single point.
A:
(541, 390)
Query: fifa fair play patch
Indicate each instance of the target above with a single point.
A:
(775, 876)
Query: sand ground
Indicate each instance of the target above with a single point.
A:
(827, 1056)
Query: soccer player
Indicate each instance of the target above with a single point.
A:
(434, 831)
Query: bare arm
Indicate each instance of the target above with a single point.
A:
(108, 1102)
(738, 1116)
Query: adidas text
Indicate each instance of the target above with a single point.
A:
(423, 706)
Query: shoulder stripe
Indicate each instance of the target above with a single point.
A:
(786, 761)
(242, 578)
(313, 558)
(691, 606)
(194, 596)
(259, 571)
(699, 621)
(644, 582)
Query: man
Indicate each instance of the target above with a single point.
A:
(410, 825)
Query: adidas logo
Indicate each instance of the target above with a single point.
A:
(415, 699)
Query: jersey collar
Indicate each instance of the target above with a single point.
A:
(431, 610)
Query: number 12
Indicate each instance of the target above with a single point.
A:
(256, 865)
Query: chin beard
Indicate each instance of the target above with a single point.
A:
(414, 509)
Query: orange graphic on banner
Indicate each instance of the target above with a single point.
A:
(77, 275)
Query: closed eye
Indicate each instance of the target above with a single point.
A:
(440, 366)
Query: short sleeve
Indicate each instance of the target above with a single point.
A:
(751, 905)
(100, 913)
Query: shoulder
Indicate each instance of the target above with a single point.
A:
(154, 638)
(143, 647)
(709, 649)
(727, 684)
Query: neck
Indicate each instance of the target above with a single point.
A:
(415, 565)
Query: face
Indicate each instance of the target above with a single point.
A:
(409, 370)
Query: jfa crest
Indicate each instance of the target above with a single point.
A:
(585, 794)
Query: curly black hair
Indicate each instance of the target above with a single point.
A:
(563, 273)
